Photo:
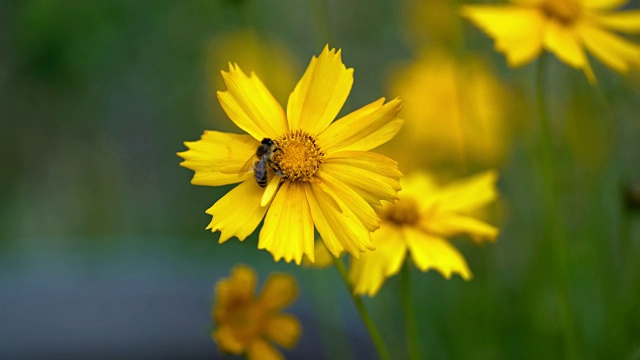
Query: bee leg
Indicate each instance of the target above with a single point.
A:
(276, 167)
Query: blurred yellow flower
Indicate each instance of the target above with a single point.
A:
(321, 173)
(419, 223)
(245, 324)
(563, 27)
(454, 111)
(323, 258)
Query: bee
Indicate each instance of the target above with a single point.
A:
(264, 154)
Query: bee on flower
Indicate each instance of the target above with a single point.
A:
(564, 27)
(318, 173)
(246, 324)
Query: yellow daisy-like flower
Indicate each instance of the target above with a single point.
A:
(419, 223)
(563, 27)
(456, 110)
(245, 323)
(321, 172)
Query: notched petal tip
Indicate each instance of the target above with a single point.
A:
(250, 105)
(234, 67)
(185, 160)
(396, 99)
(330, 50)
(335, 54)
(364, 129)
(287, 258)
(225, 73)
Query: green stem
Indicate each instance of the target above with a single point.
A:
(409, 313)
(382, 350)
(555, 233)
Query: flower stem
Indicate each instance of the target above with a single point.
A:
(555, 233)
(409, 313)
(381, 348)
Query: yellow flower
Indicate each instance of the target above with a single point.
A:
(563, 27)
(245, 323)
(321, 172)
(419, 223)
(455, 111)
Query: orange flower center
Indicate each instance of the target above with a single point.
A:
(404, 212)
(565, 11)
(297, 155)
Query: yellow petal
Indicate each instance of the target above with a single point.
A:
(420, 188)
(351, 200)
(517, 31)
(216, 178)
(363, 129)
(216, 151)
(259, 349)
(226, 340)
(563, 42)
(241, 285)
(320, 93)
(284, 330)
(449, 224)
(467, 194)
(238, 213)
(288, 229)
(604, 4)
(626, 21)
(243, 281)
(270, 191)
(368, 273)
(431, 252)
(611, 49)
(279, 291)
(339, 228)
(372, 176)
(250, 105)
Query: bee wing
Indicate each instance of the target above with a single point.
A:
(245, 168)
(248, 166)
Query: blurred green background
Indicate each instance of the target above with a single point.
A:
(103, 250)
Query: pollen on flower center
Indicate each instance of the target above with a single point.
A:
(297, 155)
(404, 212)
(565, 11)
